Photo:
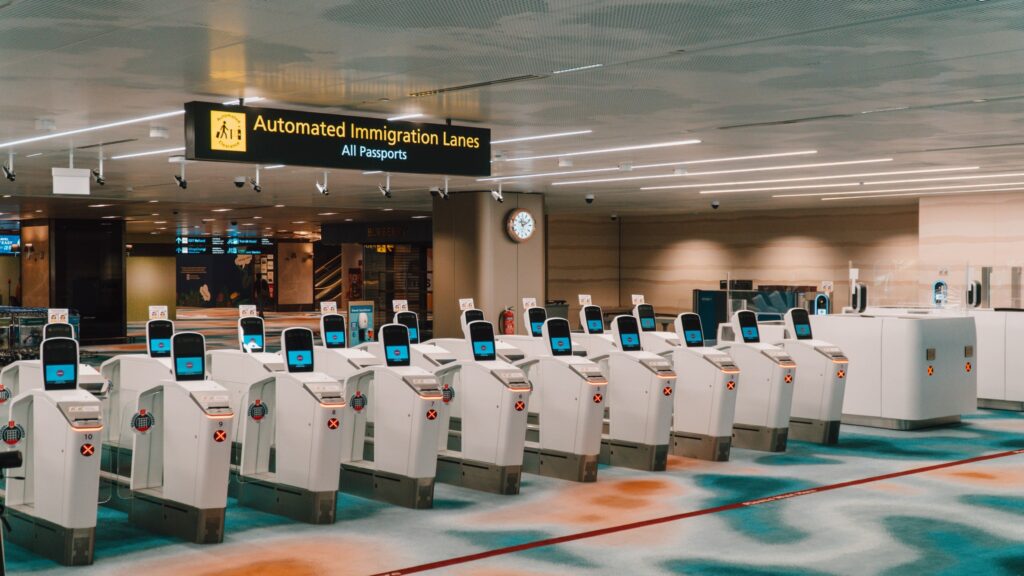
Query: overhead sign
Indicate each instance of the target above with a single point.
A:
(222, 245)
(270, 136)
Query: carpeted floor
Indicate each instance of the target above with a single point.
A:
(963, 519)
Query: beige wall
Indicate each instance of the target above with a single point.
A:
(10, 276)
(35, 267)
(294, 273)
(666, 258)
(150, 281)
(474, 257)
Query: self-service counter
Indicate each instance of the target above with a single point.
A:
(51, 498)
(404, 403)
(532, 344)
(89, 379)
(912, 370)
(819, 388)
(287, 448)
(428, 356)
(459, 348)
(566, 409)
(764, 402)
(169, 460)
(483, 416)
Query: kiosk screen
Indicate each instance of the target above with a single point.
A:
(537, 317)
(189, 351)
(629, 334)
(60, 364)
(801, 324)
(410, 321)
(159, 333)
(646, 314)
(298, 346)
(748, 327)
(481, 334)
(595, 323)
(693, 334)
(332, 330)
(559, 337)
(252, 333)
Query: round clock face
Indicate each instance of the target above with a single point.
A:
(521, 225)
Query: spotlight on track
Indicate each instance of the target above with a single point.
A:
(9, 167)
(255, 182)
(496, 194)
(440, 192)
(180, 178)
(385, 189)
(322, 188)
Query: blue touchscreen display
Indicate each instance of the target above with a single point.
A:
(694, 336)
(188, 365)
(803, 330)
(160, 346)
(60, 374)
(413, 335)
(647, 323)
(595, 325)
(630, 342)
(300, 358)
(253, 342)
(537, 328)
(397, 353)
(560, 344)
(750, 334)
(483, 350)
(335, 338)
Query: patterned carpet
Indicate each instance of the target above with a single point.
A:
(964, 519)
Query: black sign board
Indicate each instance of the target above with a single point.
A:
(377, 233)
(269, 136)
(218, 245)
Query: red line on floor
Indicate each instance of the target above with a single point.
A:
(674, 517)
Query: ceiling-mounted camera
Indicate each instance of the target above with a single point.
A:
(239, 181)
(589, 198)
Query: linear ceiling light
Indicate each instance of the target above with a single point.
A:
(91, 128)
(919, 194)
(608, 150)
(716, 172)
(273, 167)
(642, 166)
(922, 189)
(578, 68)
(542, 136)
(874, 183)
(405, 117)
(149, 153)
(808, 178)
(242, 99)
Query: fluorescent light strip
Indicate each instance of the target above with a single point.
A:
(542, 136)
(608, 150)
(642, 166)
(150, 153)
(34, 155)
(875, 183)
(244, 99)
(91, 128)
(405, 117)
(578, 68)
(716, 172)
(372, 172)
(919, 194)
(730, 159)
(859, 192)
(808, 178)
(273, 167)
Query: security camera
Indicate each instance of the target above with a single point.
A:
(182, 183)
(322, 189)
(100, 180)
(615, 217)
(715, 204)
(385, 189)
(239, 181)
(589, 198)
(496, 194)
(8, 173)
(255, 185)
(175, 212)
(234, 222)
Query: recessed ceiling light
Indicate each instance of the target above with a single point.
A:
(542, 136)
(420, 217)
(372, 172)
(718, 172)
(257, 217)
(92, 128)
(404, 117)
(248, 223)
(810, 178)
(282, 230)
(154, 233)
(221, 210)
(578, 68)
(299, 222)
(386, 209)
(348, 219)
(327, 214)
(273, 167)
(608, 150)
(148, 153)
(208, 219)
(7, 195)
(153, 201)
(99, 205)
(160, 222)
(278, 205)
(34, 155)
(109, 217)
(155, 214)
(39, 211)
(162, 228)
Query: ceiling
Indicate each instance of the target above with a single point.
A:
(912, 86)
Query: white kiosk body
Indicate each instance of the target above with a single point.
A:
(290, 420)
(401, 404)
(566, 409)
(1000, 333)
(818, 390)
(640, 389)
(764, 402)
(51, 498)
(89, 379)
(172, 448)
(334, 358)
(705, 399)
(428, 356)
(913, 370)
(483, 417)
(460, 349)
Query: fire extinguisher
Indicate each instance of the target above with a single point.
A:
(508, 321)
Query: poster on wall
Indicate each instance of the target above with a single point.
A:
(208, 281)
(360, 319)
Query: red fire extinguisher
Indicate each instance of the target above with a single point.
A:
(508, 321)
